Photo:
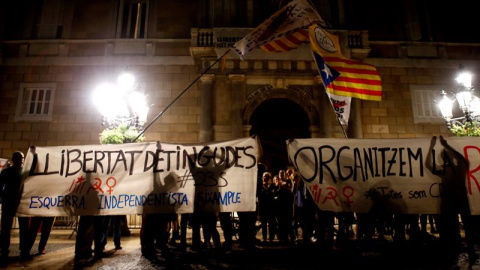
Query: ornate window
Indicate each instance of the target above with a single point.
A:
(35, 102)
(425, 110)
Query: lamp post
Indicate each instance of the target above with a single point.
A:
(123, 108)
(468, 104)
(124, 111)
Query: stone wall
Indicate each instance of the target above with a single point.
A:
(76, 120)
(78, 66)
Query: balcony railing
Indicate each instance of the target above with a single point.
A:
(204, 37)
(355, 43)
(205, 42)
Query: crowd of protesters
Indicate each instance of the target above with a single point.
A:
(285, 215)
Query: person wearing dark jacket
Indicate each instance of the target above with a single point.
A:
(11, 186)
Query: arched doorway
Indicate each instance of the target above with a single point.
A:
(274, 121)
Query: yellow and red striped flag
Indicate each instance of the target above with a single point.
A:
(287, 43)
(356, 79)
(340, 75)
(286, 22)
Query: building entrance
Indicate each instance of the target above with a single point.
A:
(275, 121)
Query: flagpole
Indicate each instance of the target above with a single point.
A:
(183, 92)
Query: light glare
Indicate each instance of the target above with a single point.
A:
(120, 102)
(445, 106)
(126, 81)
(465, 78)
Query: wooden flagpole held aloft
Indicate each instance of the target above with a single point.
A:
(183, 92)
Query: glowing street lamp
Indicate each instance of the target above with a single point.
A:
(468, 103)
(124, 110)
(121, 103)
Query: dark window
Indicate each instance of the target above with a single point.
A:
(134, 19)
(36, 101)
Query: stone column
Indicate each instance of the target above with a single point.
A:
(246, 130)
(206, 110)
(341, 12)
(355, 120)
(250, 12)
(315, 132)
(237, 95)
(325, 111)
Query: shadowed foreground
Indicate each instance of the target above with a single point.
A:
(378, 254)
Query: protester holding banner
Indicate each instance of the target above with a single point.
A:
(11, 186)
(210, 232)
(454, 202)
(185, 219)
(248, 219)
(114, 222)
(153, 234)
(324, 229)
(44, 224)
(175, 230)
(196, 223)
(147, 236)
(35, 222)
(226, 225)
(46, 228)
(91, 230)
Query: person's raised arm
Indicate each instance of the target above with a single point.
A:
(428, 160)
(33, 150)
(454, 152)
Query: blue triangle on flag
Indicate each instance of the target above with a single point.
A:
(328, 73)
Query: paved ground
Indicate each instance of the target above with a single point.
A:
(378, 255)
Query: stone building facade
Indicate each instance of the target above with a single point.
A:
(173, 47)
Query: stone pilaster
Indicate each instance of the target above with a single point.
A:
(315, 132)
(325, 111)
(206, 109)
(355, 120)
(237, 90)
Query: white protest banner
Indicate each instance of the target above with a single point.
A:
(397, 175)
(137, 178)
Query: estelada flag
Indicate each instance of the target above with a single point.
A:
(340, 75)
(296, 15)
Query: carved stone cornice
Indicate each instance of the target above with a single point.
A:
(238, 78)
(207, 78)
